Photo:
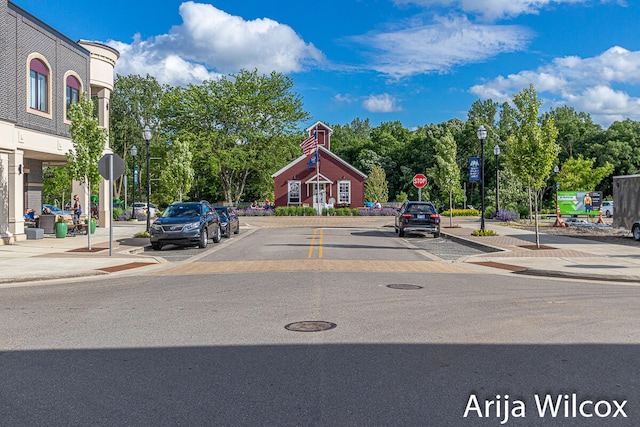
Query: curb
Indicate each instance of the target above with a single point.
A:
(474, 244)
(565, 275)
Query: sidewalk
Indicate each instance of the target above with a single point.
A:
(52, 258)
(511, 250)
(558, 256)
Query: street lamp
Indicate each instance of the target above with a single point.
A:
(496, 151)
(146, 135)
(134, 153)
(482, 135)
(558, 222)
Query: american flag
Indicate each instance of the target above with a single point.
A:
(309, 144)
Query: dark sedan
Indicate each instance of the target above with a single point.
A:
(229, 221)
(186, 224)
(417, 216)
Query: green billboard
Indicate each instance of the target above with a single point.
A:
(575, 202)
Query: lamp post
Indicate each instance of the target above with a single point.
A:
(558, 222)
(146, 135)
(482, 135)
(134, 153)
(496, 152)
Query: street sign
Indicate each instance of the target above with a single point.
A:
(103, 166)
(110, 166)
(419, 180)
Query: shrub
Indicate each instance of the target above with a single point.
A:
(117, 213)
(489, 212)
(486, 232)
(462, 212)
(143, 234)
(402, 197)
(256, 212)
(523, 211)
(124, 216)
(506, 215)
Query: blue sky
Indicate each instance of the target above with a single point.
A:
(415, 61)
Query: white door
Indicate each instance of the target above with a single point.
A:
(323, 197)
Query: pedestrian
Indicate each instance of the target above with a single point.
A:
(77, 210)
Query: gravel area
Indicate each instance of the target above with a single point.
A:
(599, 233)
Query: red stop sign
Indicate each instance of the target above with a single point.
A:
(419, 180)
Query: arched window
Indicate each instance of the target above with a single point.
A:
(73, 92)
(38, 86)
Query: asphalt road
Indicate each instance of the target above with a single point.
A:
(413, 340)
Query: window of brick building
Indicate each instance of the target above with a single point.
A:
(38, 86)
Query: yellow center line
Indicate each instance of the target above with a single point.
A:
(313, 242)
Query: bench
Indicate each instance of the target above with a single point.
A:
(76, 229)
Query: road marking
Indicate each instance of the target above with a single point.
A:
(377, 266)
(313, 241)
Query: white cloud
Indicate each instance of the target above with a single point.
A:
(497, 9)
(447, 43)
(344, 98)
(210, 41)
(588, 84)
(383, 103)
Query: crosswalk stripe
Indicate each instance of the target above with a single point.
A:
(225, 267)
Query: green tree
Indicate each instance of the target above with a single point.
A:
(580, 174)
(177, 172)
(446, 173)
(348, 140)
(531, 149)
(235, 123)
(134, 103)
(89, 141)
(375, 187)
(573, 129)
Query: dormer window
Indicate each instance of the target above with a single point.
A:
(38, 86)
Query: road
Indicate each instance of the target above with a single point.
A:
(410, 339)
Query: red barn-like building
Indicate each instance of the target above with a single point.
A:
(340, 183)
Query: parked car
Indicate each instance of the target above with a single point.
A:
(417, 216)
(229, 221)
(142, 207)
(186, 224)
(607, 208)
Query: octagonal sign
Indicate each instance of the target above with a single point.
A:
(419, 180)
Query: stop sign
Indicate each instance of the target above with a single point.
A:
(419, 180)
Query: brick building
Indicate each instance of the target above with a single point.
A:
(339, 183)
(41, 72)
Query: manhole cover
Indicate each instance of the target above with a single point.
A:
(404, 287)
(310, 326)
